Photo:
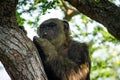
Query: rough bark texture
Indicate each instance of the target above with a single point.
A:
(102, 11)
(17, 52)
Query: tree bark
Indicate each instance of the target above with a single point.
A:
(17, 52)
(102, 11)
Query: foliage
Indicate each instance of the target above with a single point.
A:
(20, 19)
(104, 48)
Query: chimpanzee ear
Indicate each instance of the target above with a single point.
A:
(66, 26)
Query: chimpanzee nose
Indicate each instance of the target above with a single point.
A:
(45, 34)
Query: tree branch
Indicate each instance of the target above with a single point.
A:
(102, 11)
(17, 52)
(69, 11)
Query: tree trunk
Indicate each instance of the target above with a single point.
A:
(17, 52)
(102, 11)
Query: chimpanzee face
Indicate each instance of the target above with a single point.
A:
(49, 30)
(52, 28)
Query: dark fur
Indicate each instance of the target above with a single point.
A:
(67, 60)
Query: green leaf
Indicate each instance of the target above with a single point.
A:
(30, 22)
(20, 19)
